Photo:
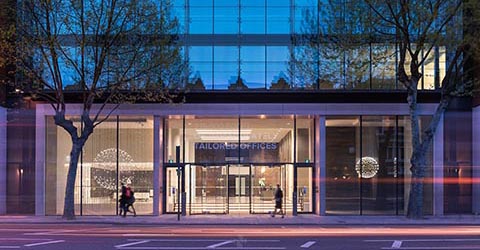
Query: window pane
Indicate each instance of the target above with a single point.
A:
(305, 188)
(357, 63)
(253, 20)
(383, 67)
(211, 140)
(343, 148)
(376, 168)
(304, 139)
(278, 20)
(174, 137)
(58, 146)
(226, 20)
(201, 20)
(136, 142)
(429, 71)
(99, 180)
(267, 139)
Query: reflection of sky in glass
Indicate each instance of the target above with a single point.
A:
(259, 65)
(224, 50)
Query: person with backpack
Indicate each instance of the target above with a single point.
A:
(130, 199)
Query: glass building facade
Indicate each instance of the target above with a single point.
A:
(262, 43)
(231, 165)
(333, 152)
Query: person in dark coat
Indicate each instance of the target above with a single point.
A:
(278, 202)
(130, 199)
(123, 200)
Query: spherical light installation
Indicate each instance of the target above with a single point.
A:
(367, 168)
(105, 163)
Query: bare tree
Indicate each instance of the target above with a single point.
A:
(107, 52)
(417, 29)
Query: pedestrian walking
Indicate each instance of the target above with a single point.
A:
(278, 202)
(123, 200)
(130, 199)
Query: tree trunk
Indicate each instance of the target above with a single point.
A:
(415, 201)
(69, 205)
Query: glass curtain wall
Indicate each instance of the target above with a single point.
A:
(367, 165)
(119, 150)
(245, 44)
(234, 164)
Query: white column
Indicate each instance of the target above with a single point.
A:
(476, 160)
(3, 160)
(40, 141)
(320, 164)
(157, 165)
(438, 155)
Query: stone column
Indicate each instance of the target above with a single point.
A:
(476, 160)
(320, 164)
(40, 161)
(438, 170)
(157, 165)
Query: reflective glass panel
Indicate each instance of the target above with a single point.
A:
(342, 182)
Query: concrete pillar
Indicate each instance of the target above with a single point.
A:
(438, 154)
(3, 160)
(40, 162)
(476, 160)
(157, 165)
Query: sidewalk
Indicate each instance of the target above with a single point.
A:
(264, 219)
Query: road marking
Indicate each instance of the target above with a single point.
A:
(44, 243)
(147, 235)
(132, 243)
(435, 248)
(25, 239)
(397, 244)
(220, 244)
(308, 244)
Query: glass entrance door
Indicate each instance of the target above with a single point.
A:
(239, 189)
(208, 189)
(264, 179)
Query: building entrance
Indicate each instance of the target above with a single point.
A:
(231, 189)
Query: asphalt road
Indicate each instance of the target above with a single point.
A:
(143, 237)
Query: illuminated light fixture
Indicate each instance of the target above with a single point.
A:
(367, 168)
(262, 170)
(224, 138)
(223, 134)
(223, 131)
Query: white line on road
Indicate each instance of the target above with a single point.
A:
(397, 244)
(25, 239)
(220, 244)
(308, 244)
(132, 243)
(44, 243)
(147, 235)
